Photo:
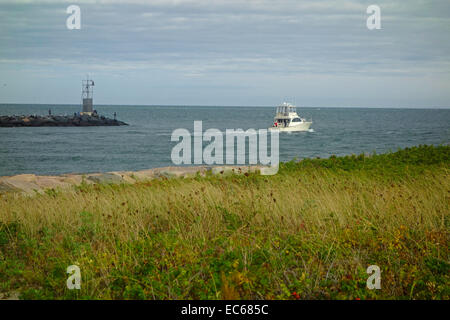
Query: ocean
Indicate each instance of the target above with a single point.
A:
(146, 142)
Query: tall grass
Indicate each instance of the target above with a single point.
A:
(308, 232)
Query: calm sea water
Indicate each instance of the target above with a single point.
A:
(145, 143)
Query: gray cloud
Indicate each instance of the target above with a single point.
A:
(206, 49)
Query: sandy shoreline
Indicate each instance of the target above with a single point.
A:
(31, 183)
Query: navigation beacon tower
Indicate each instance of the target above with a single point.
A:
(86, 95)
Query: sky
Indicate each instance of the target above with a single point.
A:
(316, 53)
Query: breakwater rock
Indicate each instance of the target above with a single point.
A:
(75, 120)
(30, 183)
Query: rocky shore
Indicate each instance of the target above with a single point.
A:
(31, 183)
(75, 120)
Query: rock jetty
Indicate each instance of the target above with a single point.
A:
(76, 120)
(32, 184)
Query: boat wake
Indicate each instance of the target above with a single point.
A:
(298, 132)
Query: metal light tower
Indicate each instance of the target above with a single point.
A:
(87, 94)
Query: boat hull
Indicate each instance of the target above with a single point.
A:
(304, 126)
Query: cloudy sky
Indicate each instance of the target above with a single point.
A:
(227, 52)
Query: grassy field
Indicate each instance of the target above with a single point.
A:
(309, 232)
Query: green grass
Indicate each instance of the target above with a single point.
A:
(312, 229)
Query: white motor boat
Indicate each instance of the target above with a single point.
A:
(287, 119)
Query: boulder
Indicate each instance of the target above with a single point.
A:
(105, 178)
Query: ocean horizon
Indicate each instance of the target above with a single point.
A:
(79, 105)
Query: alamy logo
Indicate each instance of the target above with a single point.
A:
(74, 280)
(374, 281)
(373, 21)
(74, 20)
(213, 153)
